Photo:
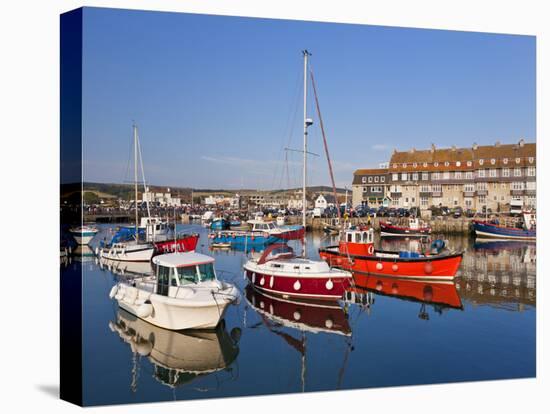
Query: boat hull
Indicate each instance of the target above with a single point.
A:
(141, 254)
(304, 287)
(388, 230)
(488, 230)
(290, 233)
(244, 239)
(174, 314)
(434, 267)
(83, 238)
(184, 243)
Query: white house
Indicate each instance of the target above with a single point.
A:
(324, 200)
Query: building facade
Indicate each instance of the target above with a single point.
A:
(370, 186)
(492, 176)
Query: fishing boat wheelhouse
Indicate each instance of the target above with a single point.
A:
(356, 252)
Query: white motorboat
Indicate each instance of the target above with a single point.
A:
(83, 234)
(184, 294)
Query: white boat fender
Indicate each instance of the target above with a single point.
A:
(329, 285)
(145, 310)
(113, 291)
(97, 251)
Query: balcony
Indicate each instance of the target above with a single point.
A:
(482, 192)
(437, 193)
(517, 192)
(396, 194)
(468, 193)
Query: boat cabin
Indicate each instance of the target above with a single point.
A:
(358, 242)
(176, 270)
(530, 221)
(154, 226)
(261, 225)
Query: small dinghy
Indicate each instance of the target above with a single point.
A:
(184, 293)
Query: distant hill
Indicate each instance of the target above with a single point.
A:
(126, 191)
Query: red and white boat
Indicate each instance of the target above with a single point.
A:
(279, 271)
(415, 228)
(357, 253)
(157, 231)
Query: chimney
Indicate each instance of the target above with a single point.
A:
(474, 147)
(432, 150)
(497, 144)
(521, 142)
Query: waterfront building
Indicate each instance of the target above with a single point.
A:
(492, 176)
(162, 199)
(323, 201)
(370, 186)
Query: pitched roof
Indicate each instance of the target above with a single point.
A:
(482, 156)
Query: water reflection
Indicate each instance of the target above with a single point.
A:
(440, 295)
(307, 316)
(178, 358)
(126, 269)
(500, 273)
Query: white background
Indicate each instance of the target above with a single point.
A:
(29, 136)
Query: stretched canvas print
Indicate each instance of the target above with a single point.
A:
(259, 206)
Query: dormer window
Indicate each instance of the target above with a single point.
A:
(446, 163)
(458, 163)
(493, 161)
(517, 160)
(531, 159)
(364, 180)
(505, 160)
(480, 162)
(469, 163)
(436, 164)
(404, 165)
(394, 165)
(415, 165)
(425, 164)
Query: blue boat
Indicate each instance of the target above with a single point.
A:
(219, 223)
(235, 223)
(525, 231)
(244, 238)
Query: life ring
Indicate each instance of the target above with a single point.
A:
(395, 267)
(370, 249)
(379, 266)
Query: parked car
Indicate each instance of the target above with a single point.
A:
(469, 213)
(457, 212)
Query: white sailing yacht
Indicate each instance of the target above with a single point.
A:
(131, 250)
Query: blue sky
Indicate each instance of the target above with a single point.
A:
(216, 98)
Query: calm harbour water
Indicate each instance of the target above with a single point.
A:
(387, 333)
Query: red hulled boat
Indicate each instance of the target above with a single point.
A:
(357, 253)
(182, 243)
(414, 229)
(278, 271)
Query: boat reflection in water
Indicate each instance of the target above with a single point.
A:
(178, 357)
(440, 294)
(307, 316)
(126, 269)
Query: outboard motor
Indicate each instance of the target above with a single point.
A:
(437, 246)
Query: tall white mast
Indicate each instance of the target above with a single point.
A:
(307, 122)
(136, 177)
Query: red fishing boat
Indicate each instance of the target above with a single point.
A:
(165, 239)
(414, 229)
(182, 243)
(356, 252)
(442, 293)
